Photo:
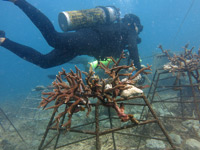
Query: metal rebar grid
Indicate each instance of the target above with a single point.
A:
(3, 115)
(156, 90)
(99, 132)
(29, 108)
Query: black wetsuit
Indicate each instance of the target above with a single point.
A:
(100, 42)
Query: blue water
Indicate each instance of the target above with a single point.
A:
(161, 20)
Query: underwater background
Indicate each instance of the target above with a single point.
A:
(172, 23)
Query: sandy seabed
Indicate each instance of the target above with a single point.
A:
(31, 124)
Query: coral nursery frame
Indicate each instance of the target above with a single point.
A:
(178, 86)
(97, 133)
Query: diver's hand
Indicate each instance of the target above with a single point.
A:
(141, 80)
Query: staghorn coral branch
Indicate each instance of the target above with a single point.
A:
(113, 60)
(63, 84)
(125, 74)
(121, 87)
(139, 72)
(106, 69)
(77, 101)
(184, 62)
(146, 73)
(75, 94)
(55, 106)
(164, 51)
(108, 64)
(119, 68)
(79, 75)
(122, 56)
(103, 87)
(189, 53)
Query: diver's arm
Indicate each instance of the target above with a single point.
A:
(133, 49)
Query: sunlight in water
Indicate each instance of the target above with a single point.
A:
(128, 1)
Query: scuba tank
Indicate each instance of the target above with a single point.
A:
(73, 20)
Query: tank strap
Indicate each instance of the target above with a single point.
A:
(106, 12)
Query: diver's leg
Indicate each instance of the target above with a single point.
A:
(26, 53)
(52, 59)
(40, 21)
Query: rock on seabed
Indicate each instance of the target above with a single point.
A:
(155, 145)
(192, 144)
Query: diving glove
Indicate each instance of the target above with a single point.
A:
(141, 80)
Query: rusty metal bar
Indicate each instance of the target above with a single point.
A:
(171, 77)
(175, 101)
(47, 130)
(12, 124)
(111, 126)
(175, 86)
(75, 142)
(181, 100)
(159, 123)
(194, 95)
(97, 132)
(143, 136)
(60, 130)
(135, 104)
(163, 90)
(98, 144)
(112, 130)
(48, 142)
(2, 127)
(152, 83)
(53, 128)
(178, 117)
(154, 90)
(127, 126)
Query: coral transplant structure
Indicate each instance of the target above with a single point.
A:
(75, 94)
(185, 65)
(188, 61)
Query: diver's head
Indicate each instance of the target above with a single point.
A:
(133, 20)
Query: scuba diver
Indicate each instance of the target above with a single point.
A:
(99, 40)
